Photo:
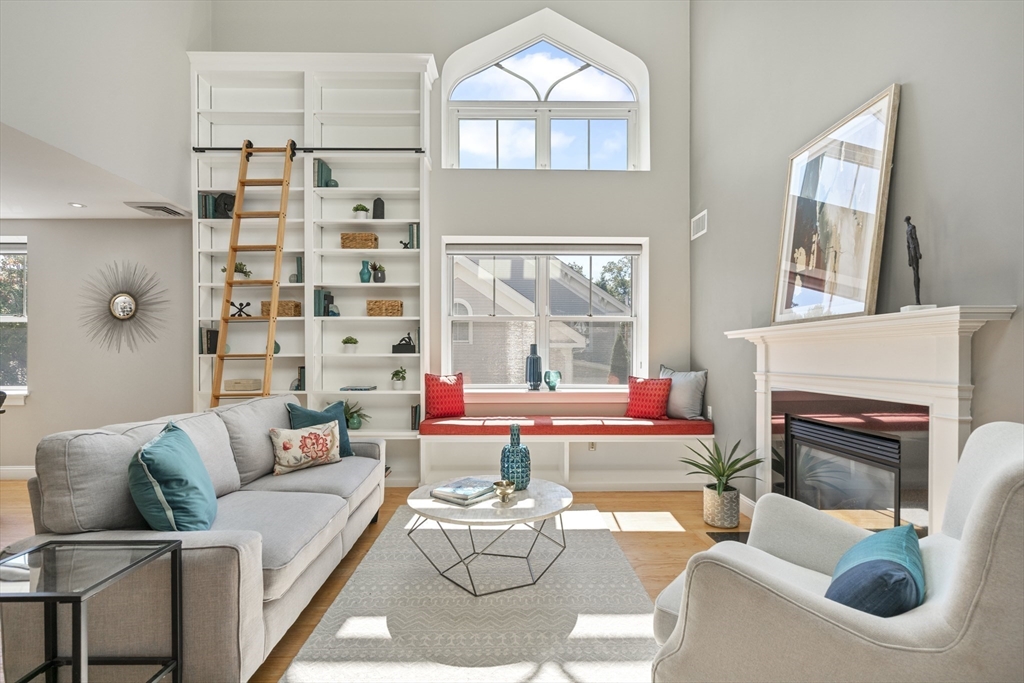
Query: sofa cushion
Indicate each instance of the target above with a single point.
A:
(686, 397)
(295, 528)
(351, 478)
(648, 398)
(306, 417)
(170, 485)
(248, 424)
(882, 575)
(444, 395)
(83, 474)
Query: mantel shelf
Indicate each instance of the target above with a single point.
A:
(923, 322)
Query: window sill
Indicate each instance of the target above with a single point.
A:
(524, 396)
(15, 398)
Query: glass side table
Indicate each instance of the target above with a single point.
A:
(71, 572)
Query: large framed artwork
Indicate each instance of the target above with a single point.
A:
(834, 216)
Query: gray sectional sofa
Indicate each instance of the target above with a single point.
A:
(275, 541)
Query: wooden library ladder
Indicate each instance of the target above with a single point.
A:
(230, 282)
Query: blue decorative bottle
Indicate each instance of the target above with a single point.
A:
(515, 461)
(364, 274)
(533, 369)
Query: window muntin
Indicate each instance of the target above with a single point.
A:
(578, 308)
(594, 144)
(542, 73)
(13, 313)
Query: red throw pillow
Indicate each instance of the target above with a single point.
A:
(648, 397)
(444, 395)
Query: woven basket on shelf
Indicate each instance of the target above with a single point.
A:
(384, 307)
(358, 240)
(285, 309)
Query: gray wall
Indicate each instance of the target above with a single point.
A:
(107, 81)
(769, 77)
(466, 202)
(75, 383)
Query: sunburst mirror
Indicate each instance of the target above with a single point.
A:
(123, 306)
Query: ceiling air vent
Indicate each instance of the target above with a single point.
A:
(159, 210)
(699, 224)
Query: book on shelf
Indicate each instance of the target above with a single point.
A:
(465, 488)
(414, 235)
(359, 387)
(299, 270)
(465, 502)
(414, 423)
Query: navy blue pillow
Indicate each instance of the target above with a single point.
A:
(882, 575)
(300, 418)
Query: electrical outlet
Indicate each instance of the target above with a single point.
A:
(709, 414)
(593, 446)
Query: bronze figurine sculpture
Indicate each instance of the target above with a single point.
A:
(914, 258)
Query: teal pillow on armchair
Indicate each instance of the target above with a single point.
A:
(301, 418)
(170, 485)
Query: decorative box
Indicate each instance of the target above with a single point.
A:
(358, 240)
(285, 309)
(384, 307)
(403, 348)
(243, 385)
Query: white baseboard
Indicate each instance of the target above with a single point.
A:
(17, 472)
(746, 506)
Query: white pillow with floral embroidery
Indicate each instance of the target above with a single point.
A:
(296, 449)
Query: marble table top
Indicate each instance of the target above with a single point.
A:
(541, 500)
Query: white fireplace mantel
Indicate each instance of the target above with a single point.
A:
(920, 357)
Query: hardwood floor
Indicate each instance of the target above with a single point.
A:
(657, 530)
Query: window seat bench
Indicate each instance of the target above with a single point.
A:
(580, 452)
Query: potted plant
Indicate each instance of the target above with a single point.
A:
(354, 415)
(240, 268)
(361, 211)
(398, 379)
(349, 344)
(378, 272)
(721, 501)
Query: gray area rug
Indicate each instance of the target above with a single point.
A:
(588, 618)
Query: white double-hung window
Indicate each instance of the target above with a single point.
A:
(582, 302)
(545, 93)
(14, 316)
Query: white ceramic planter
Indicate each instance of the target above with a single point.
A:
(362, 215)
(349, 348)
(398, 384)
(722, 511)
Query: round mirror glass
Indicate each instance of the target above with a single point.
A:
(122, 306)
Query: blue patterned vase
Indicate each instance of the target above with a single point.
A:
(515, 461)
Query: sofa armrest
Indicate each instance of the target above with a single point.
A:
(797, 533)
(222, 594)
(367, 448)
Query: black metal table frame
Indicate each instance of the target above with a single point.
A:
(468, 559)
(80, 659)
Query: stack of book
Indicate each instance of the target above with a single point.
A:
(321, 173)
(207, 203)
(414, 235)
(207, 340)
(465, 491)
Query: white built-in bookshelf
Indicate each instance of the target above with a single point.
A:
(376, 102)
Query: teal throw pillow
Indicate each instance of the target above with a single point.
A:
(301, 418)
(170, 485)
(882, 575)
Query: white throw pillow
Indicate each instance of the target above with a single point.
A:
(686, 398)
(296, 449)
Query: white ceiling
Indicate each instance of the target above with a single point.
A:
(38, 180)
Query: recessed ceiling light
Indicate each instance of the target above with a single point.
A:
(76, 205)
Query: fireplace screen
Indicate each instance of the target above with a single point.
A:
(833, 468)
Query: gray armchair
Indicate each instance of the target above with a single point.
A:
(758, 611)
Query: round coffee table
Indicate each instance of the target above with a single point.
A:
(531, 508)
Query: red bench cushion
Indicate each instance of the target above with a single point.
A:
(542, 425)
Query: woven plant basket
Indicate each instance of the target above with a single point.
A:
(285, 309)
(358, 240)
(384, 307)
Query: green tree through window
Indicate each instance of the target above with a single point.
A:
(13, 315)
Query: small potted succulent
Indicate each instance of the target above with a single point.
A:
(721, 501)
(354, 415)
(240, 268)
(349, 344)
(361, 211)
(378, 272)
(398, 379)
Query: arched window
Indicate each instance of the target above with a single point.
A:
(462, 330)
(545, 93)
